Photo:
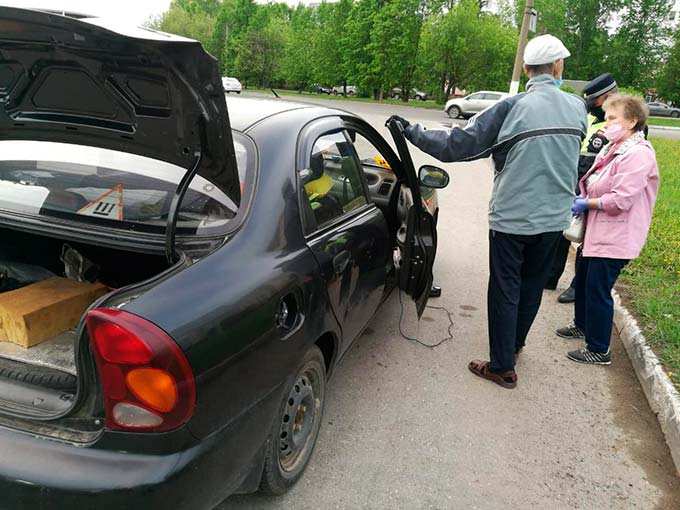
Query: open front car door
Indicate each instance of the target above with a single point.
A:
(417, 235)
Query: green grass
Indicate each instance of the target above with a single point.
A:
(431, 105)
(651, 283)
(663, 121)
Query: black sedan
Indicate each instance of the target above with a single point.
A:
(241, 252)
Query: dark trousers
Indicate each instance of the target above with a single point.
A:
(519, 268)
(559, 262)
(594, 306)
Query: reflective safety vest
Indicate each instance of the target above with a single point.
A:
(592, 145)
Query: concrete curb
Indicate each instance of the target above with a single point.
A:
(663, 128)
(662, 396)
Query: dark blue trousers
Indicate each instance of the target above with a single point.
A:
(519, 267)
(594, 306)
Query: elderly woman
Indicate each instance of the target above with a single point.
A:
(618, 195)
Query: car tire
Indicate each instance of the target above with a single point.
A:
(37, 375)
(294, 432)
(675, 115)
(454, 112)
(238, 91)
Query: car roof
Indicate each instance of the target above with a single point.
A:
(246, 111)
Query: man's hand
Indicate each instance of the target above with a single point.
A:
(579, 206)
(404, 122)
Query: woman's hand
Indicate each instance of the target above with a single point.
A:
(579, 206)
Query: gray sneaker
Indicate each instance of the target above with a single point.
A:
(589, 357)
(571, 332)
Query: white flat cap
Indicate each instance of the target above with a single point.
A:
(544, 49)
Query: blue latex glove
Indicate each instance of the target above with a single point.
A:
(579, 206)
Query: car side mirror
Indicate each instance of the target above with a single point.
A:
(433, 177)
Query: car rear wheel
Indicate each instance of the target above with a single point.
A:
(675, 115)
(454, 112)
(296, 427)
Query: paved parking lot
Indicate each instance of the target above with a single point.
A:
(410, 427)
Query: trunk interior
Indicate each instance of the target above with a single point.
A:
(27, 262)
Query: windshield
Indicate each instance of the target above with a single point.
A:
(111, 188)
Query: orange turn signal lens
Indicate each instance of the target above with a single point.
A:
(153, 387)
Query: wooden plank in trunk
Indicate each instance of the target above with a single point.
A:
(43, 310)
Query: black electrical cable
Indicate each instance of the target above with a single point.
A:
(413, 339)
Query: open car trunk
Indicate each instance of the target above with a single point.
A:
(41, 380)
(116, 139)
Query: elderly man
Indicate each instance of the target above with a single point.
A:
(534, 140)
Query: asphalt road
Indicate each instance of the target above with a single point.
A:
(409, 427)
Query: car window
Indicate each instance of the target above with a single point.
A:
(111, 188)
(333, 184)
(492, 97)
(377, 171)
(476, 97)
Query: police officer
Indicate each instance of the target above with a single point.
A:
(534, 140)
(595, 92)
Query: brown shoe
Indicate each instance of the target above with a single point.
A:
(507, 379)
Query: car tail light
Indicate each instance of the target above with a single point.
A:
(147, 382)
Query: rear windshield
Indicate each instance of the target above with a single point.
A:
(112, 189)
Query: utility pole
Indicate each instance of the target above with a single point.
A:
(519, 56)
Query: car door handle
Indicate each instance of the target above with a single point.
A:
(341, 261)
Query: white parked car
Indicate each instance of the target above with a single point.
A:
(474, 103)
(231, 85)
(351, 90)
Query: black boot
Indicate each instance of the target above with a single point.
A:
(435, 292)
(568, 296)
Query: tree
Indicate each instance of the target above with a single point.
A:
(393, 44)
(260, 48)
(668, 85)
(179, 20)
(231, 23)
(357, 61)
(329, 43)
(582, 27)
(636, 50)
(298, 54)
(466, 48)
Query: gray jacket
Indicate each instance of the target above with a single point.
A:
(534, 139)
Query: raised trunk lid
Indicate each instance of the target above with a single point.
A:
(86, 82)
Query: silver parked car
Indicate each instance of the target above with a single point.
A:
(474, 103)
(351, 90)
(659, 109)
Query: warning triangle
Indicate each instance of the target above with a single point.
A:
(109, 205)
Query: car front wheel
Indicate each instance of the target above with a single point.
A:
(296, 427)
(454, 112)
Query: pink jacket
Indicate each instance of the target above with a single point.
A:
(627, 191)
